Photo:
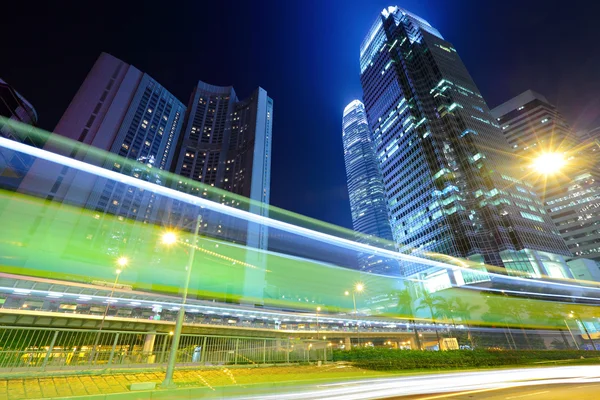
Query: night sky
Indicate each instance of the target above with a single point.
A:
(305, 54)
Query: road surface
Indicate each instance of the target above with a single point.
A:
(571, 382)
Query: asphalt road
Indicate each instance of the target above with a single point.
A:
(586, 391)
(569, 382)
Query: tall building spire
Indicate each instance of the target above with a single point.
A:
(365, 186)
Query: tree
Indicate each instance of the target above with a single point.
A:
(406, 308)
(429, 302)
(464, 311)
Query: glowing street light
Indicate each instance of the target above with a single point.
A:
(121, 263)
(169, 238)
(549, 163)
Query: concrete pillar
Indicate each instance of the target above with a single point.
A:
(148, 349)
(347, 344)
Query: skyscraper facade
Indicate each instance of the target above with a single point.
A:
(123, 111)
(443, 158)
(14, 165)
(365, 185)
(571, 195)
(226, 143)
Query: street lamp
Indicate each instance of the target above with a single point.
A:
(358, 288)
(121, 262)
(170, 238)
(318, 309)
(577, 317)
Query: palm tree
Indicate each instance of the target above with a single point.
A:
(429, 302)
(406, 307)
(463, 310)
(445, 308)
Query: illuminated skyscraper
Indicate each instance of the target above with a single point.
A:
(365, 186)
(444, 161)
(571, 195)
(121, 110)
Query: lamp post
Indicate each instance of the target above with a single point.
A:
(318, 309)
(358, 288)
(170, 238)
(122, 262)
(576, 317)
(572, 337)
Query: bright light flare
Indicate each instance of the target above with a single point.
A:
(359, 287)
(549, 163)
(122, 262)
(169, 238)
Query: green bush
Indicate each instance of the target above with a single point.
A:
(390, 359)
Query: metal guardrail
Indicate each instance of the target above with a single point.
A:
(40, 349)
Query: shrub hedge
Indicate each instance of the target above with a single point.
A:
(390, 359)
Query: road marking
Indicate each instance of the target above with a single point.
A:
(441, 396)
(525, 395)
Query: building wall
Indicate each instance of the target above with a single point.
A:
(444, 161)
(571, 197)
(365, 187)
(14, 165)
(226, 143)
(110, 112)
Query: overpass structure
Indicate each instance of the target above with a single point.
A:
(202, 257)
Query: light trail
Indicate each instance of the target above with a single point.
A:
(438, 384)
(248, 216)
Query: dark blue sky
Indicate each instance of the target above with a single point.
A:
(305, 54)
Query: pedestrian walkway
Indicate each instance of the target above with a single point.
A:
(115, 382)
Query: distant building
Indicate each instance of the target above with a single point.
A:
(571, 196)
(444, 161)
(123, 111)
(218, 140)
(226, 143)
(14, 165)
(365, 186)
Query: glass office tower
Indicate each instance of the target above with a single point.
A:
(365, 186)
(571, 196)
(444, 161)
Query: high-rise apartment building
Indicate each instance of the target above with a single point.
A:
(123, 111)
(226, 143)
(14, 165)
(365, 185)
(571, 195)
(444, 161)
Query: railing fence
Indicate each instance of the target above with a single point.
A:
(44, 349)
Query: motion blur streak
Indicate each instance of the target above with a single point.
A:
(442, 383)
(248, 216)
